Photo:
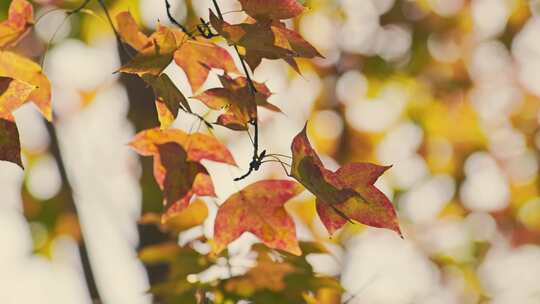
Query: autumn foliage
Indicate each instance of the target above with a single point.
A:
(346, 195)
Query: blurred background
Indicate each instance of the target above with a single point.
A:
(446, 91)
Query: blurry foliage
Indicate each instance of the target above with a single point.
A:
(438, 101)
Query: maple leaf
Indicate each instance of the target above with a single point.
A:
(259, 209)
(13, 93)
(23, 69)
(177, 167)
(272, 9)
(10, 146)
(236, 97)
(168, 98)
(178, 177)
(153, 58)
(20, 19)
(345, 195)
(192, 54)
(130, 33)
(268, 39)
(196, 55)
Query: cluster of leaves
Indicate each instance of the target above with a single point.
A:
(21, 80)
(345, 195)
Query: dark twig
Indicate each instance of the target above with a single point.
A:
(174, 21)
(257, 158)
(78, 9)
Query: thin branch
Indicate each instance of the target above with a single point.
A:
(174, 21)
(78, 9)
(257, 158)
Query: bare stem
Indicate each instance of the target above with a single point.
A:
(78, 9)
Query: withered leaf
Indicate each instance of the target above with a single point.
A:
(10, 146)
(167, 95)
(272, 9)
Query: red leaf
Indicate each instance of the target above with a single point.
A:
(259, 209)
(345, 195)
(272, 9)
(169, 100)
(198, 146)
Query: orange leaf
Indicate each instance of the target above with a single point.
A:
(165, 116)
(10, 146)
(265, 39)
(345, 195)
(13, 93)
(20, 19)
(198, 146)
(272, 9)
(259, 209)
(196, 56)
(156, 57)
(237, 98)
(130, 33)
(23, 69)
